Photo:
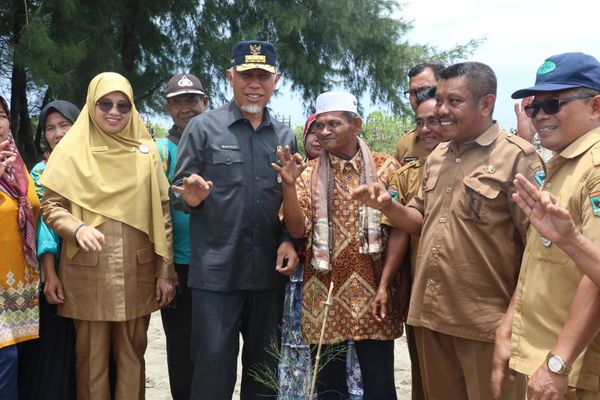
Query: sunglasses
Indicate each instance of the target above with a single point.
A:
(123, 107)
(413, 92)
(551, 106)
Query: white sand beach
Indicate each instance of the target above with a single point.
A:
(157, 378)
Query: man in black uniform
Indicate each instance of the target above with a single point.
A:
(224, 179)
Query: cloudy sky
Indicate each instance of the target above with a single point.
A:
(519, 34)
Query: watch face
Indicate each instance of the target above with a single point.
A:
(554, 364)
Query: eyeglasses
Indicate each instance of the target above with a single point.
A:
(413, 92)
(551, 106)
(123, 107)
(430, 122)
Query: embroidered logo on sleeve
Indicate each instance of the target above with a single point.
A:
(539, 177)
(595, 200)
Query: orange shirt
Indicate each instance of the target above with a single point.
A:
(19, 282)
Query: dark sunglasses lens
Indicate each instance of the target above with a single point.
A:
(124, 107)
(105, 106)
(532, 109)
(550, 106)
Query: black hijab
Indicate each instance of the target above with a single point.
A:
(64, 108)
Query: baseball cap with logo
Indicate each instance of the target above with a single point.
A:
(254, 54)
(564, 71)
(183, 84)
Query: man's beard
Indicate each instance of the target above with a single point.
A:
(252, 108)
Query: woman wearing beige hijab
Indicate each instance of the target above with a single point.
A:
(107, 197)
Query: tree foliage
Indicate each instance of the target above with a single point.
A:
(52, 48)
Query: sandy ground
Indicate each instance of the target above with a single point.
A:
(157, 379)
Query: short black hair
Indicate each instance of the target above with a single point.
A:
(425, 94)
(435, 67)
(481, 79)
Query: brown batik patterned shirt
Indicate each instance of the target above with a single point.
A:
(355, 276)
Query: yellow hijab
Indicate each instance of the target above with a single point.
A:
(111, 176)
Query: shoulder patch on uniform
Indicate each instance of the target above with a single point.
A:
(595, 200)
(523, 144)
(536, 165)
(539, 177)
(593, 182)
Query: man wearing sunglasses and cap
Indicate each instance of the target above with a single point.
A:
(224, 180)
(185, 98)
(555, 311)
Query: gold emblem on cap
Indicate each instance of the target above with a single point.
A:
(255, 49)
(490, 169)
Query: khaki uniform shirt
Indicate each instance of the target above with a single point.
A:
(410, 148)
(115, 284)
(409, 182)
(473, 234)
(549, 278)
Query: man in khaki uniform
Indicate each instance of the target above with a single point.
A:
(422, 76)
(555, 311)
(408, 182)
(472, 236)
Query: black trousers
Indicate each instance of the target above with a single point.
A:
(177, 323)
(376, 359)
(218, 318)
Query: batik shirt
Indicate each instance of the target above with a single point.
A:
(355, 276)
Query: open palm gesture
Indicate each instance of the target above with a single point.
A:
(289, 166)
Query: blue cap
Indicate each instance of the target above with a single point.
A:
(564, 71)
(254, 54)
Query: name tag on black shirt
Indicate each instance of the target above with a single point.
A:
(229, 146)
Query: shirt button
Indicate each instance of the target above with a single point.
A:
(257, 201)
(257, 178)
(547, 185)
(448, 189)
(430, 282)
(442, 220)
(434, 250)
(457, 160)
(228, 158)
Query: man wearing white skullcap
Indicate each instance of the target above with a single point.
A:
(347, 247)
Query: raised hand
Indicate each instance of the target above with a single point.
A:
(525, 128)
(194, 189)
(543, 210)
(7, 158)
(289, 166)
(373, 195)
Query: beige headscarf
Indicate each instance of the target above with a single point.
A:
(110, 176)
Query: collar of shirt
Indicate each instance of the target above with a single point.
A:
(339, 163)
(581, 145)
(485, 139)
(234, 115)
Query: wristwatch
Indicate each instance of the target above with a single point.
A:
(557, 365)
